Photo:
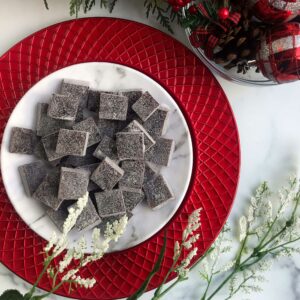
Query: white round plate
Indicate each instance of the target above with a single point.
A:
(105, 76)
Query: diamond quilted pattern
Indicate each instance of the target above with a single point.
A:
(204, 104)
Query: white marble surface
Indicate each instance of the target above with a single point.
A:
(268, 122)
(110, 77)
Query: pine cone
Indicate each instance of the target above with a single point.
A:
(238, 45)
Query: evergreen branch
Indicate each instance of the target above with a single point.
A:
(148, 5)
(161, 12)
(46, 4)
(103, 3)
(112, 5)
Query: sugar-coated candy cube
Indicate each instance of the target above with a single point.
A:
(150, 172)
(90, 168)
(156, 123)
(132, 199)
(107, 147)
(133, 96)
(145, 106)
(63, 107)
(45, 124)
(157, 192)
(22, 140)
(113, 107)
(161, 152)
(107, 127)
(89, 125)
(135, 126)
(49, 142)
(130, 145)
(77, 161)
(133, 174)
(79, 90)
(72, 142)
(107, 174)
(94, 99)
(47, 192)
(32, 175)
(39, 151)
(110, 203)
(73, 183)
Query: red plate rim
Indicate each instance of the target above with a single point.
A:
(16, 53)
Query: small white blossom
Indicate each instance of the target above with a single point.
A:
(193, 224)
(228, 266)
(243, 228)
(186, 262)
(70, 274)
(205, 266)
(189, 243)
(176, 250)
(51, 243)
(69, 223)
(115, 230)
(182, 272)
(87, 283)
(250, 214)
(75, 213)
(80, 249)
(63, 264)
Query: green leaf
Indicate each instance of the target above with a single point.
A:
(11, 295)
(155, 269)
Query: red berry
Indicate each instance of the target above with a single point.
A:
(223, 13)
(180, 3)
(176, 8)
(172, 2)
(193, 10)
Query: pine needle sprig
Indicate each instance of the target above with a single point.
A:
(161, 11)
(46, 4)
(88, 5)
(112, 5)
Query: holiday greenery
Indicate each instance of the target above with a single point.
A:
(228, 32)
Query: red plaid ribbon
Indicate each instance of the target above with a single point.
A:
(205, 38)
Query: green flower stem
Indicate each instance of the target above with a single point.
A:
(239, 287)
(288, 223)
(257, 255)
(239, 256)
(179, 279)
(284, 244)
(54, 279)
(220, 286)
(53, 290)
(207, 287)
(46, 265)
(171, 270)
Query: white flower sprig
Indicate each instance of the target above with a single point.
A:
(189, 238)
(268, 231)
(57, 245)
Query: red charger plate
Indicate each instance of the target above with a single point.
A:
(202, 101)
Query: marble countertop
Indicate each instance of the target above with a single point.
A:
(267, 118)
